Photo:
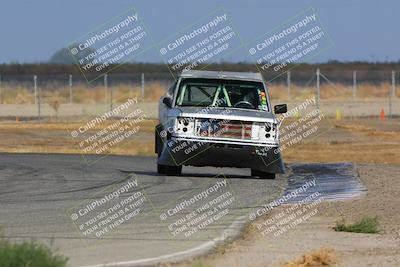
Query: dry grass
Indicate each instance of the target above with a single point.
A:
(146, 126)
(55, 137)
(81, 94)
(332, 92)
(66, 146)
(369, 131)
(154, 90)
(359, 140)
(316, 258)
(16, 95)
(354, 141)
(363, 152)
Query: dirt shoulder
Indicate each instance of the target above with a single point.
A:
(55, 137)
(256, 249)
(374, 146)
(366, 140)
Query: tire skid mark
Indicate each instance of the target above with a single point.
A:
(335, 181)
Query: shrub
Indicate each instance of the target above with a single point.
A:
(29, 254)
(366, 225)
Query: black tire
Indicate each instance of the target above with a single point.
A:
(164, 169)
(263, 175)
(158, 142)
(173, 170)
(161, 169)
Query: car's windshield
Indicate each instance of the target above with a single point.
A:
(222, 93)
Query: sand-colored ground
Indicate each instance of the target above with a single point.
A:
(372, 144)
(367, 140)
(375, 148)
(317, 234)
(55, 137)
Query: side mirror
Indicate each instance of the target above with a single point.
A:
(167, 101)
(282, 108)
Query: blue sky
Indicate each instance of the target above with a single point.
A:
(31, 31)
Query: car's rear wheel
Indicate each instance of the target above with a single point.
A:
(173, 170)
(262, 175)
(169, 170)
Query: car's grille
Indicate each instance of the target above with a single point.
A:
(223, 129)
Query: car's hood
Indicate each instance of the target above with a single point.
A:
(222, 113)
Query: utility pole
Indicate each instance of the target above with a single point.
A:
(111, 98)
(35, 87)
(37, 95)
(70, 88)
(111, 91)
(39, 100)
(354, 84)
(142, 86)
(1, 95)
(288, 83)
(391, 93)
(318, 93)
(105, 87)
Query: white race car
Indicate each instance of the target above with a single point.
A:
(221, 119)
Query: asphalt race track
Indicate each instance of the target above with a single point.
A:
(41, 195)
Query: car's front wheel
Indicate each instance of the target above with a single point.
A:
(161, 169)
(262, 175)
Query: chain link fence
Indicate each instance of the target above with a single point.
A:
(52, 91)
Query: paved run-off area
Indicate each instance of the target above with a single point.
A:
(39, 193)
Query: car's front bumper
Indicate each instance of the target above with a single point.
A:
(197, 152)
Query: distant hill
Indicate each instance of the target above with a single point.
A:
(63, 56)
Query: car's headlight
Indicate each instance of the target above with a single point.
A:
(184, 125)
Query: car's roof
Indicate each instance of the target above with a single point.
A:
(228, 75)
